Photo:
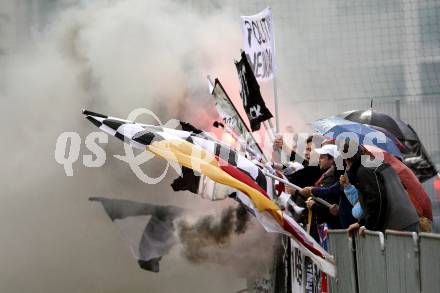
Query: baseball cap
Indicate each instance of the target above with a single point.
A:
(328, 149)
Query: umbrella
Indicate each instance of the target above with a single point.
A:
(334, 126)
(414, 153)
(416, 192)
(372, 117)
(400, 145)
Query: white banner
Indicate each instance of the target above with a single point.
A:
(297, 268)
(259, 43)
(306, 276)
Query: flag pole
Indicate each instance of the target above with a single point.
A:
(269, 130)
(286, 182)
(275, 89)
(281, 180)
(275, 96)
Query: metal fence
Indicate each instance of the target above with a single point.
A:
(394, 262)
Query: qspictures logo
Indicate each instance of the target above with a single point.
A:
(68, 146)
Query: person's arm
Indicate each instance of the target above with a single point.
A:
(325, 192)
(357, 211)
(374, 198)
(331, 192)
(352, 194)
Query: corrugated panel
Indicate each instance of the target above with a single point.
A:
(341, 247)
(402, 260)
(430, 262)
(371, 263)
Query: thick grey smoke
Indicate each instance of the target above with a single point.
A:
(208, 232)
(205, 233)
(111, 57)
(242, 219)
(230, 238)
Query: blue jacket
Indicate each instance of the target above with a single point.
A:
(352, 195)
(335, 193)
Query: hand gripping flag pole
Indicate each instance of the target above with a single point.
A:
(286, 182)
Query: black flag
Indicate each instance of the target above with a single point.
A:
(253, 102)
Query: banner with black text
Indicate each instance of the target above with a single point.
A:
(259, 43)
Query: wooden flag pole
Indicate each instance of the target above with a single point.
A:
(275, 96)
(275, 90)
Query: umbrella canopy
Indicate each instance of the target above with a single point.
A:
(414, 153)
(416, 192)
(396, 126)
(400, 145)
(335, 126)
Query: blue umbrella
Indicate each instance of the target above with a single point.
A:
(338, 128)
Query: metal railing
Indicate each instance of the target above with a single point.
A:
(394, 262)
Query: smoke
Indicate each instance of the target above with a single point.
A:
(206, 232)
(230, 239)
(242, 217)
(110, 57)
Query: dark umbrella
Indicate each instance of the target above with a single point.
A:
(372, 117)
(414, 154)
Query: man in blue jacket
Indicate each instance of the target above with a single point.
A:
(328, 188)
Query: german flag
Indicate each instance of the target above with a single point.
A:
(201, 153)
